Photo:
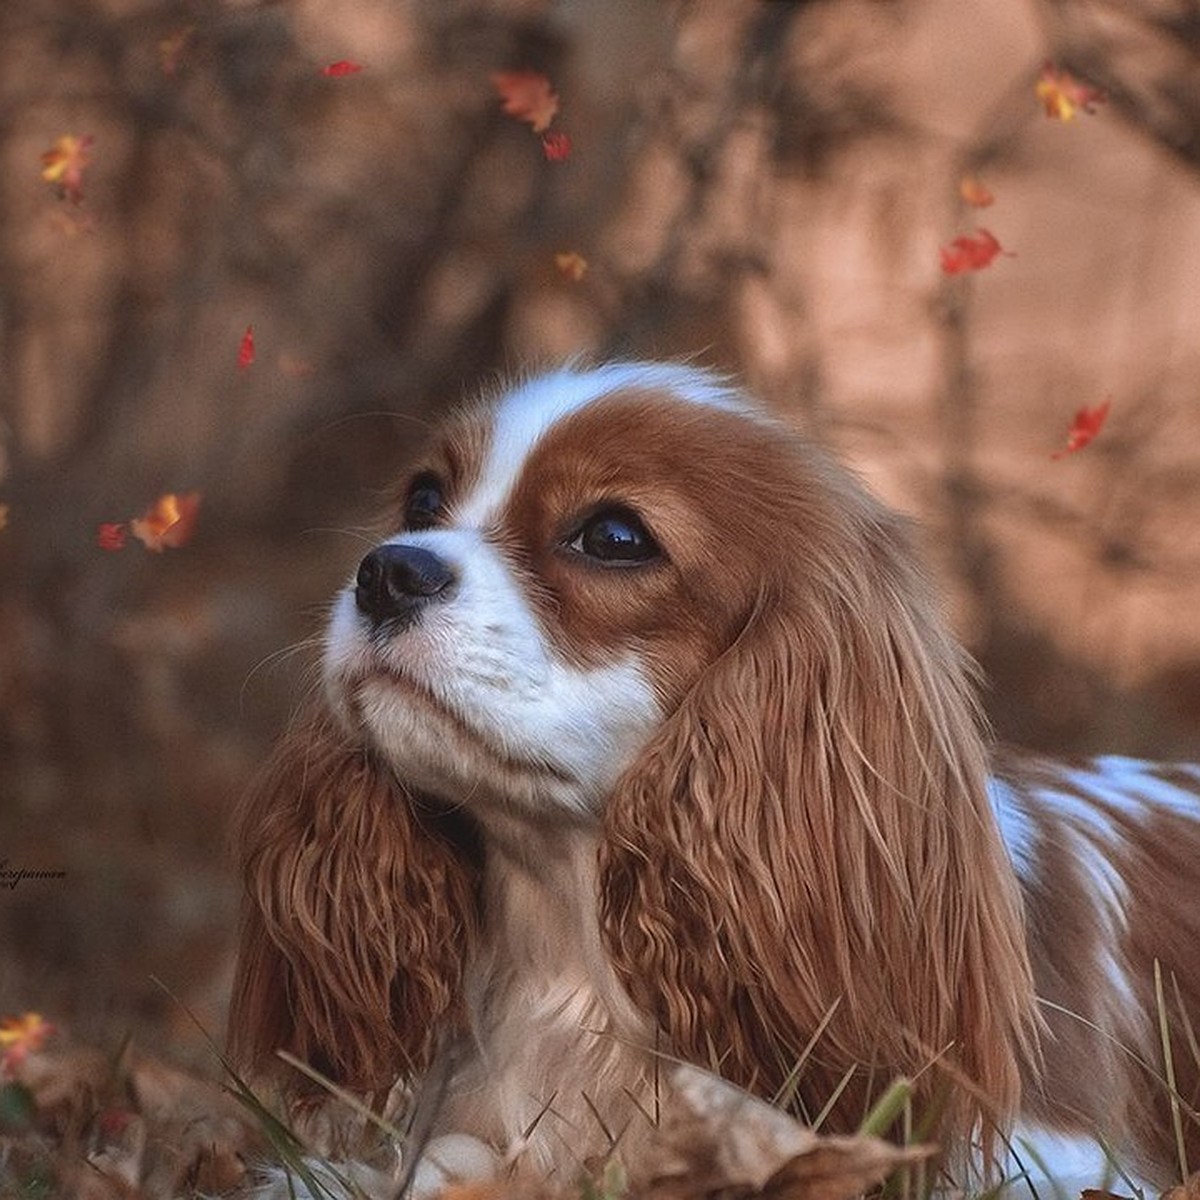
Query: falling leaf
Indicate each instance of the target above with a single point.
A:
(527, 96)
(1087, 423)
(341, 68)
(64, 163)
(20, 1037)
(971, 253)
(168, 523)
(573, 266)
(110, 535)
(245, 354)
(974, 193)
(171, 48)
(1062, 95)
(3, 516)
(556, 146)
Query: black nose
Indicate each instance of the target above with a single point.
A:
(393, 582)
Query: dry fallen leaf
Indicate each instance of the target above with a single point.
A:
(1189, 1189)
(152, 1129)
(717, 1139)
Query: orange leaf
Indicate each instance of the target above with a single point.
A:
(246, 349)
(556, 146)
(3, 516)
(341, 68)
(528, 96)
(974, 193)
(168, 523)
(20, 1037)
(110, 535)
(64, 163)
(1087, 423)
(573, 266)
(1062, 95)
(971, 253)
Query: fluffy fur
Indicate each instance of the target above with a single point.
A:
(568, 818)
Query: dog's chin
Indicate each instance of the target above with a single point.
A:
(436, 749)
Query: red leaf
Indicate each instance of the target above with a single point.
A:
(971, 253)
(528, 96)
(169, 523)
(556, 146)
(246, 349)
(341, 68)
(110, 535)
(1087, 423)
(64, 163)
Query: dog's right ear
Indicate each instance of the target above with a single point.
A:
(359, 911)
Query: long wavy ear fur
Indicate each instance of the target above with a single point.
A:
(810, 832)
(358, 913)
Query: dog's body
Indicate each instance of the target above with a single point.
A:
(646, 742)
(1108, 857)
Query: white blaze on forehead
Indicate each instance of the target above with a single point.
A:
(531, 409)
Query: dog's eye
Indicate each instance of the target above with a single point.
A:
(615, 537)
(424, 503)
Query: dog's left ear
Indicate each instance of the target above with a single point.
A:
(810, 833)
(358, 913)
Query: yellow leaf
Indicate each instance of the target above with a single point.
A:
(21, 1036)
(64, 163)
(573, 266)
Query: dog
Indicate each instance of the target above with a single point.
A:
(643, 740)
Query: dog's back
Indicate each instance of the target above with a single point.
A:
(1108, 856)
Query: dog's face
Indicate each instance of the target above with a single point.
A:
(568, 561)
(626, 604)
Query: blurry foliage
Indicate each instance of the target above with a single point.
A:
(761, 185)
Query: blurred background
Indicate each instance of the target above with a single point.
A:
(762, 187)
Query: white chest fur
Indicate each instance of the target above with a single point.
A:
(560, 1064)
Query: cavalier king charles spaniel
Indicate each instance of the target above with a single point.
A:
(643, 741)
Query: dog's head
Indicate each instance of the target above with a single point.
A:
(625, 600)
